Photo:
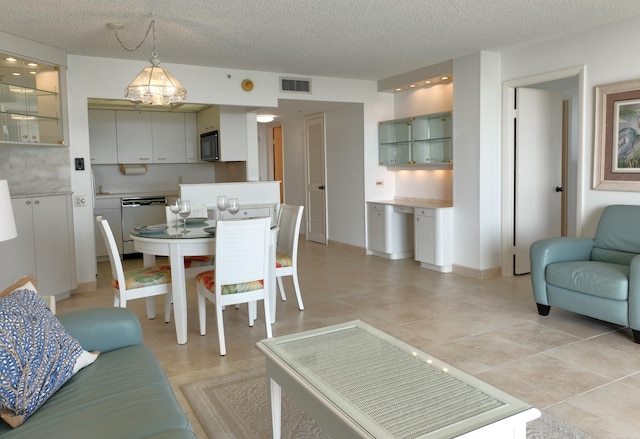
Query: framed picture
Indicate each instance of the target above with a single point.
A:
(616, 152)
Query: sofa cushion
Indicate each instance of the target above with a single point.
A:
(602, 279)
(124, 394)
(37, 355)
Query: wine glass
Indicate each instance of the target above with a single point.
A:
(174, 207)
(222, 204)
(234, 206)
(185, 211)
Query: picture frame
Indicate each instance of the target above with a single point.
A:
(616, 153)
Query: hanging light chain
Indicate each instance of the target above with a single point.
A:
(151, 25)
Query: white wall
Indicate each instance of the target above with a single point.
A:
(608, 56)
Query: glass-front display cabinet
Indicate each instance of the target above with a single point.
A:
(30, 104)
(395, 142)
(431, 141)
(421, 141)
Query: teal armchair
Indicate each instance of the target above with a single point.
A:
(597, 277)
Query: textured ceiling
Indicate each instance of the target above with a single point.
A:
(363, 39)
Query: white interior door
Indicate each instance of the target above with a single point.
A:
(538, 169)
(316, 194)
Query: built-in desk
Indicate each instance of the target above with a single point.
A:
(412, 227)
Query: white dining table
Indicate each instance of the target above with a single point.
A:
(192, 240)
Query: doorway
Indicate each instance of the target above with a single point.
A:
(276, 144)
(570, 83)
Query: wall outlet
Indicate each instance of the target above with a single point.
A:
(80, 200)
(379, 183)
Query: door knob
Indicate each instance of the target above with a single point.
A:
(559, 188)
(321, 187)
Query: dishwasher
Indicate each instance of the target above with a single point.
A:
(140, 211)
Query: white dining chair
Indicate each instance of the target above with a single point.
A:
(146, 282)
(289, 220)
(241, 274)
(194, 264)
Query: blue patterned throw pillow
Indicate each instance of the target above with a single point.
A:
(37, 355)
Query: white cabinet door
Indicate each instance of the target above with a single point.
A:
(433, 238)
(102, 137)
(17, 256)
(168, 135)
(376, 228)
(135, 143)
(44, 246)
(233, 134)
(192, 138)
(54, 249)
(425, 236)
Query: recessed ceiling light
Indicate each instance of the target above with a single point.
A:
(265, 118)
(444, 78)
(16, 74)
(427, 82)
(412, 86)
(33, 73)
(398, 89)
(33, 64)
(10, 59)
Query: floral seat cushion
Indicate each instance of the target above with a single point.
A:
(208, 280)
(146, 276)
(283, 260)
(198, 261)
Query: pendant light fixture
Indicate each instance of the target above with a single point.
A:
(154, 85)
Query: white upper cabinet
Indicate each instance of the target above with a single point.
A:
(192, 139)
(102, 137)
(134, 136)
(231, 123)
(168, 133)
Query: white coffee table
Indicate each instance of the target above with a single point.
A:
(357, 381)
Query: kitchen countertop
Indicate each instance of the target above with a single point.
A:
(416, 202)
(135, 194)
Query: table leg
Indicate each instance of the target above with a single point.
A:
(179, 290)
(276, 407)
(150, 261)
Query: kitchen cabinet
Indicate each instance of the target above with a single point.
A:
(134, 138)
(44, 246)
(142, 137)
(395, 142)
(421, 142)
(433, 238)
(168, 137)
(390, 230)
(102, 137)
(231, 123)
(192, 138)
(30, 105)
(251, 211)
(109, 209)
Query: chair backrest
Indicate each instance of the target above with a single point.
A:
(289, 221)
(242, 251)
(617, 239)
(112, 248)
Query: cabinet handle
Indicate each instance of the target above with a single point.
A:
(37, 202)
(28, 202)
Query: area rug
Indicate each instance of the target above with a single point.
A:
(236, 407)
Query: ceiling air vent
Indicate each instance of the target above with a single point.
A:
(295, 85)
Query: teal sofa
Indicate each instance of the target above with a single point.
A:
(123, 394)
(598, 277)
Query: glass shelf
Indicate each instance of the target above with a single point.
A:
(30, 104)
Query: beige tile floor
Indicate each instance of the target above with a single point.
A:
(581, 370)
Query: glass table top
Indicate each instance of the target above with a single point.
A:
(388, 387)
(196, 228)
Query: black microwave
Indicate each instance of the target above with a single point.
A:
(209, 146)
